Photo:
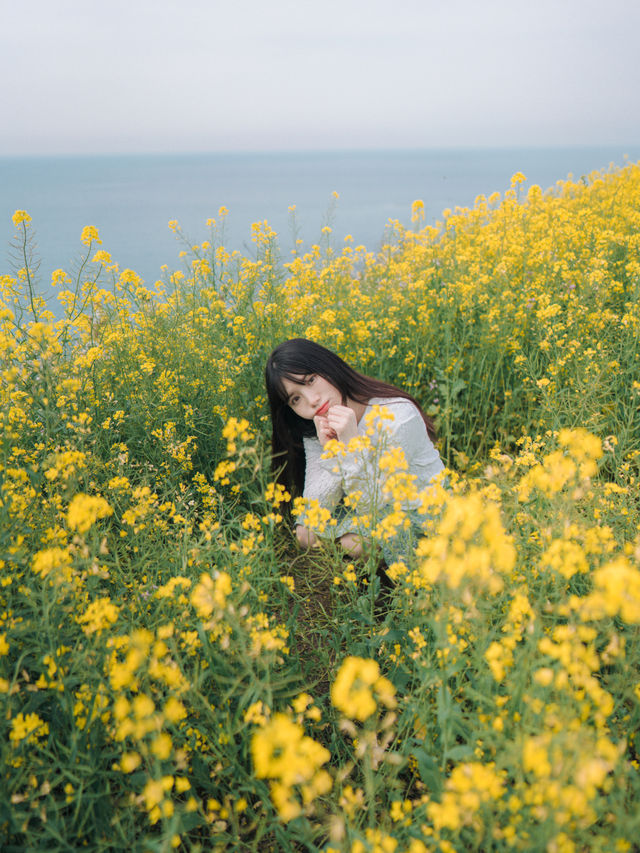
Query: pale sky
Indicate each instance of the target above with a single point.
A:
(81, 76)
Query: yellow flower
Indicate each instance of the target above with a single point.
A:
(535, 756)
(352, 800)
(500, 658)
(85, 510)
(471, 546)
(161, 746)
(143, 706)
(543, 676)
(469, 786)
(282, 752)
(301, 702)
(288, 581)
(223, 469)
(276, 494)
(417, 210)
(287, 805)
(174, 710)
(19, 217)
(99, 615)
(211, 594)
(90, 235)
(274, 746)
(308, 512)
(565, 557)
(255, 713)
(153, 793)
(234, 429)
(616, 593)
(27, 728)
(129, 762)
(359, 687)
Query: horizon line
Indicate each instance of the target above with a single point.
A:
(321, 151)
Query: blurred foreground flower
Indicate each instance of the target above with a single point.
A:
(359, 688)
(293, 761)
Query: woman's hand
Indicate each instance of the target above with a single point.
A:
(324, 431)
(342, 420)
(339, 422)
(307, 538)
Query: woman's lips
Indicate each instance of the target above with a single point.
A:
(323, 409)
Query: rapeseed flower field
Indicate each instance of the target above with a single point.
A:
(175, 674)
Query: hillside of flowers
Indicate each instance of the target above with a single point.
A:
(176, 674)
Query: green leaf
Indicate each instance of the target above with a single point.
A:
(430, 772)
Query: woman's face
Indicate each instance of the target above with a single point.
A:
(313, 396)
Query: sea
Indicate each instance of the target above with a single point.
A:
(130, 199)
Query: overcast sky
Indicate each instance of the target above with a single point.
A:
(82, 76)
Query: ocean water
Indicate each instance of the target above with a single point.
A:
(130, 199)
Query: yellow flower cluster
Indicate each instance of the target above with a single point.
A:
(469, 787)
(236, 429)
(565, 774)
(264, 637)
(616, 592)
(55, 564)
(90, 705)
(575, 463)
(311, 514)
(85, 510)
(471, 547)
(359, 689)
(223, 469)
(66, 464)
(210, 595)
(276, 494)
(293, 762)
(21, 217)
(27, 728)
(100, 615)
(519, 619)
(89, 235)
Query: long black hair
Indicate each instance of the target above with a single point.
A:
(298, 358)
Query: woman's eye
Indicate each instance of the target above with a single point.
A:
(311, 378)
(293, 401)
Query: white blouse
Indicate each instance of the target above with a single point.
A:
(357, 472)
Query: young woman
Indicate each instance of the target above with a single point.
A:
(315, 396)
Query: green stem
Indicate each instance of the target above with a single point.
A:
(28, 273)
(370, 788)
